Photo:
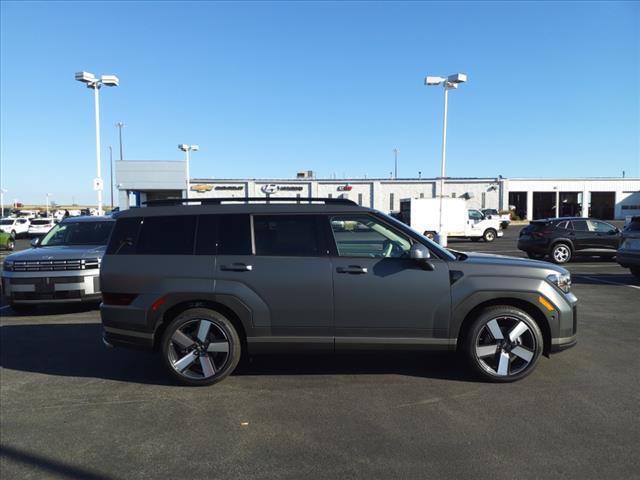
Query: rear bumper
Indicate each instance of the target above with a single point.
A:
(126, 326)
(113, 337)
(628, 258)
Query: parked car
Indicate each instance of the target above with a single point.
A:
(63, 266)
(423, 215)
(7, 242)
(629, 252)
(258, 277)
(17, 227)
(40, 226)
(564, 238)
(492, 213)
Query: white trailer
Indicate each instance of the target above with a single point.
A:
(423, 215)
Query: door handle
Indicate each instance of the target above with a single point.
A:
(236, 267)
(352, 269)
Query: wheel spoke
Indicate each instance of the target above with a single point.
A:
(486, 350)
(208, 369)
(203, 330)
(503, 365)
(517, 331)
(523, 353)
(185, 361)
(218, 346)
(494, 328)
(182, 339)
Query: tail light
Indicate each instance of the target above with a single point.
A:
(118, 298)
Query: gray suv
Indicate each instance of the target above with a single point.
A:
(205, 283)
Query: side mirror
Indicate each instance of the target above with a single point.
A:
(35, 242)
(421, 254)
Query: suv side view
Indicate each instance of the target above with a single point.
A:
(564, 238)
(324, 275)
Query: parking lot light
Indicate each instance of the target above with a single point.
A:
(95, 83)
(449, 83)
(186, 149)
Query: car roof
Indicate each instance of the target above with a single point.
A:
(251, 208)
(564, 219)
(87, 218)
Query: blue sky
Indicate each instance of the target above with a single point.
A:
(267, 89)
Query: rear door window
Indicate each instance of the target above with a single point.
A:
(288, 235)
(580, 225)
(171, 235)
(223, 235)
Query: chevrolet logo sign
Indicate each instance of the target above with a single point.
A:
(201, 188)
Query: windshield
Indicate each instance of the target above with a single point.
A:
(431, 243)
(81, 233)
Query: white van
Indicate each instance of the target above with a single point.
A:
(423, 215)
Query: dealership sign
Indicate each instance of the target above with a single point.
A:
(201, 188)
(271, 188)
(229, 187)
(345, 188)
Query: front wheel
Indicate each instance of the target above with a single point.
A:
(503, 344)
(561, 253)
(489, 235)
(200, 347)
(11, 244)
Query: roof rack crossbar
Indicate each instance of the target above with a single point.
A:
(218, 201)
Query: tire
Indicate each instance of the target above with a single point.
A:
(503, 344)
(23, 308)
(635, 271)
(11, 244)
(200, 347)
(535, 256)
(561, 253)
(430, 235)
(489, 235)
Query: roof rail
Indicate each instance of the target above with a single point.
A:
(219, 201)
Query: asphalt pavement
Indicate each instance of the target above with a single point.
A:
(72, 409)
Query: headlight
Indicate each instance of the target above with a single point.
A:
(7, 265)
(561, 280)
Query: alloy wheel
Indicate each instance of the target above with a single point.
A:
(199, 349)
(561, 254)
(505, 346)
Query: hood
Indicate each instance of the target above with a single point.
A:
(63, 252)
(503, 260)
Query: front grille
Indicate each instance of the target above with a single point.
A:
(50, 280)
(55, 265)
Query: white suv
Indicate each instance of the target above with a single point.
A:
(15, 226)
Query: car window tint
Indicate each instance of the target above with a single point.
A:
(223, 235)
(286, 235)
(562, 225)
(363, 236)
(580, 225)
(475, 215)
(124, 237)
(600, 227)
(171, 235)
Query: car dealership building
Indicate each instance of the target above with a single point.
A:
(531, 198)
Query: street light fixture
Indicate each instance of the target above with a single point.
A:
(449, 83)
(95, 83)
(186, 149)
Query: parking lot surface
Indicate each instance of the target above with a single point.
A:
(72, 409)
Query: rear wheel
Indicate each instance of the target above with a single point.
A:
(489, 235)
(561, 253)
(200, 347)
(503, 344)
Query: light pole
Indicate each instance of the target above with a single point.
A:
(95, 83)
(395, 163)
(449, 83)
(47, 204)
(111, 173)
(119, 125)
(186, 149)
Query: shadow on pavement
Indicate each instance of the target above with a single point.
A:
(47, 466)
(620, 279)
(76, 350)
(50, 309)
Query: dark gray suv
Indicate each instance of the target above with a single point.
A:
(204, 283)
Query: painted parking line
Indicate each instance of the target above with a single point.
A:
(600, 280)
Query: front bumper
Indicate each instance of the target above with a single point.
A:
(51, 287)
